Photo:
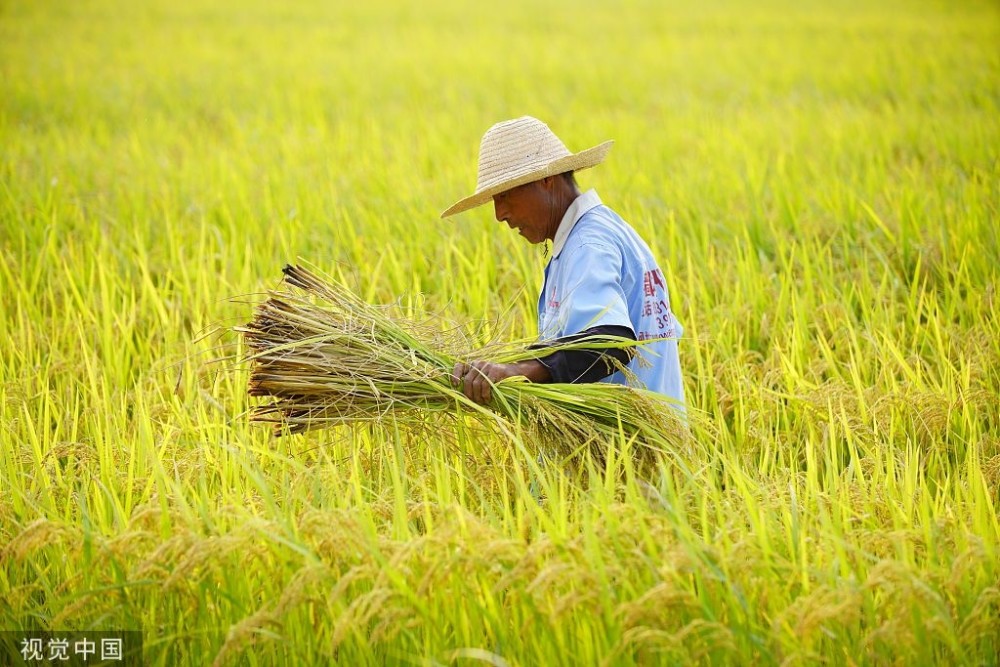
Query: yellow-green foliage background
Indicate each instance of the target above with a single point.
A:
(820, 182)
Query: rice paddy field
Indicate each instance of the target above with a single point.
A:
(821, 183)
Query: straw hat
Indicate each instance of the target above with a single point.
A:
(520, 151)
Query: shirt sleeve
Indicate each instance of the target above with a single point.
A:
(585, 365)
(592, 294)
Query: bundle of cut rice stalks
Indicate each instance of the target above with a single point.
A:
(328, 357)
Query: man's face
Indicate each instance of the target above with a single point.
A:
(527, 208)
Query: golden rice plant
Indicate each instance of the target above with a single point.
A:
(327, 358)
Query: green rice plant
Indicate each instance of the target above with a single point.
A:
(330, 358)
(820, 180)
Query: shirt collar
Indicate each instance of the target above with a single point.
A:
(580, 205)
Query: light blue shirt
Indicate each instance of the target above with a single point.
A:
(602, 273)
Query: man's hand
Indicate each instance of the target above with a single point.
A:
(477, 378)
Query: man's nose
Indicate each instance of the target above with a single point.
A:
(499, 210)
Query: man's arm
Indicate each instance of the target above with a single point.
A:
(589, 365)
(478, 377)
(582, 365)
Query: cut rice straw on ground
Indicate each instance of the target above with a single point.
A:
(330, 358)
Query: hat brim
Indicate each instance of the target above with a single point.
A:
(574, 162)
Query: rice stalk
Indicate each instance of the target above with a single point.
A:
(329, 358)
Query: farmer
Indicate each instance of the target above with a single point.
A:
(601, 282)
